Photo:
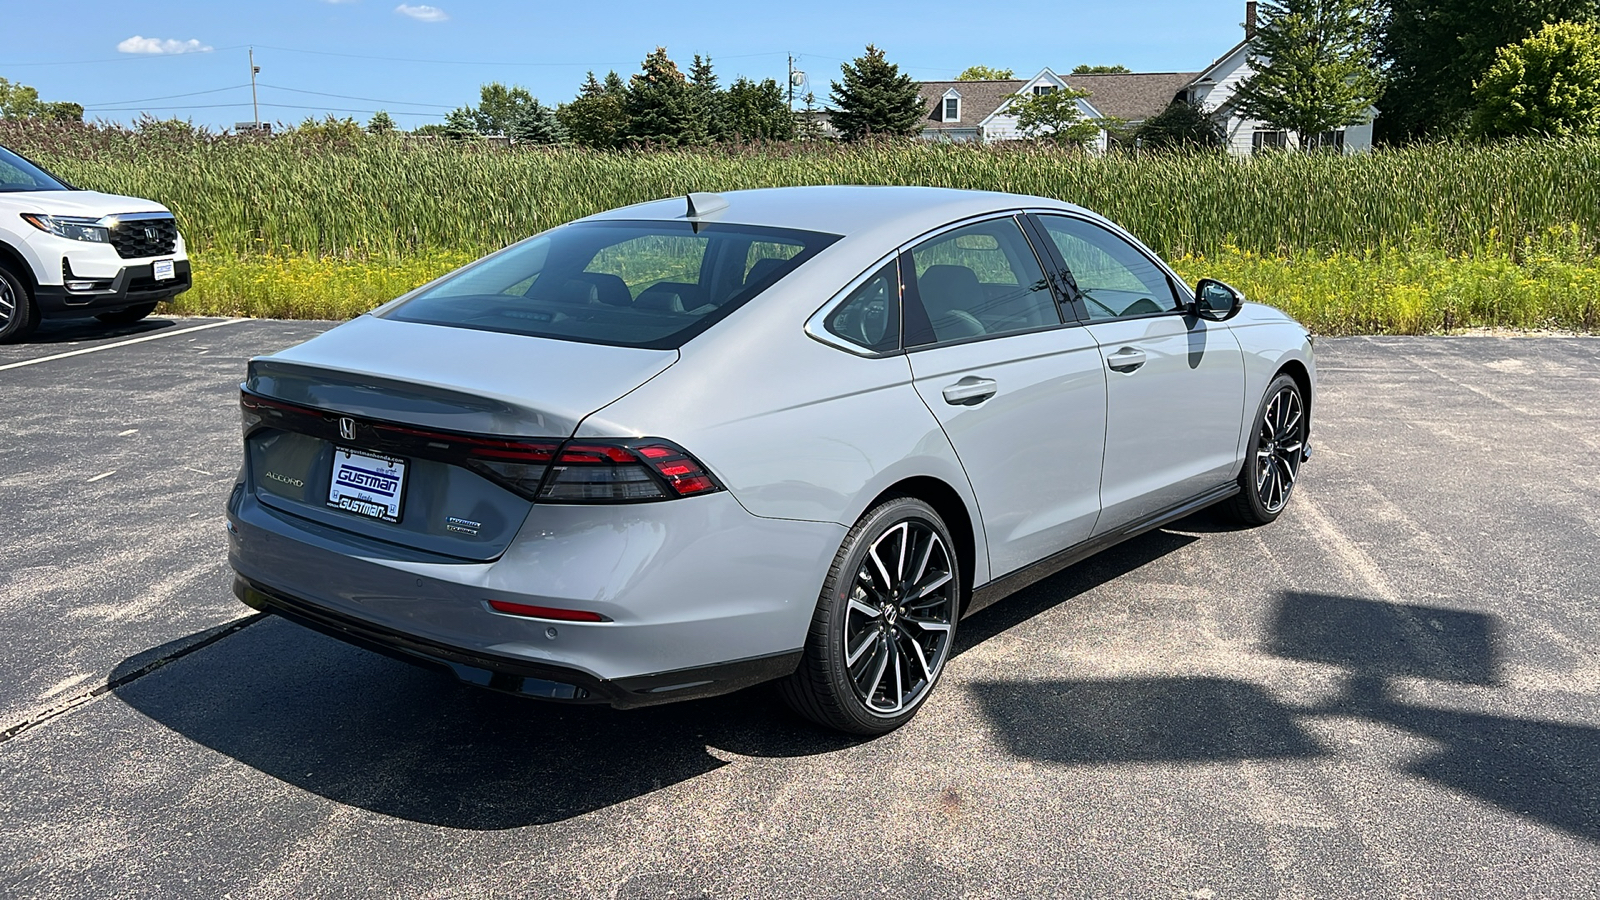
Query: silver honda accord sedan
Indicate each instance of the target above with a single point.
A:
(793, 434)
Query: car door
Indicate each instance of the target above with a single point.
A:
(1019, 393)
(1174, 382)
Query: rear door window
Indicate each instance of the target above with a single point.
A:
(978, 280)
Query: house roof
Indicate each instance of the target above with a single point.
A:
(978, 100)
(1131, 97)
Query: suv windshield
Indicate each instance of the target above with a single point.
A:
(17, 174)
(629, 284)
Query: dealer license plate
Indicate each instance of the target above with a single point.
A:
(367, 484)
(164, 270)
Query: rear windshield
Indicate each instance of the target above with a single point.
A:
(628, 284)
(17, 174)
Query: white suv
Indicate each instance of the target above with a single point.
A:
(67, 253)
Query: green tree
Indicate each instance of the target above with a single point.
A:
(460, 124)
(1054, 117)
(498, 106)
(1086, 69)
(1434, 51)
(709, 101)
(1180, 125)
(985, 73)
(876, 99)
(660, 109)
(1314, 68)
(1548, 84)
(537, 124)
(807, 124)
(598, 117)
(758, 112)
(19, 101)
(380, 123)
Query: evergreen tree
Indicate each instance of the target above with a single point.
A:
(537, 124)
(460, 124)
(807, 128)
(1434, 51)
(757, 112)
(598, 117)
(660, 110)
(1548, 85)
(380, 123)
(709, 103)
(1180, 125)
(876, 99)
(1314, 68)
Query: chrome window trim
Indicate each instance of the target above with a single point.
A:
(817, 331)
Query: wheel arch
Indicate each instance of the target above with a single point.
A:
(947, 502)
(1297, 370)
(17, 264)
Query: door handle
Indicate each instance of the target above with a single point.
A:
(1125, 360)
(970, 391)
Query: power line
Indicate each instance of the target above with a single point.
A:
(127, 57)
(272, 105)
(348, 97)
(234, 87)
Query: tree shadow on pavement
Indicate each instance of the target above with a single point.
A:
(367, 731)
(1546, 771)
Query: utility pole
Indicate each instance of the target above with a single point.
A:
(791, 82)
(255, 108)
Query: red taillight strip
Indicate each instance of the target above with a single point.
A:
(545, 612)
(679, 473)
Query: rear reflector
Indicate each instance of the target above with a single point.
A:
(545, 612)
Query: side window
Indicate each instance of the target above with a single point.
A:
(1114, 278)
(980, 279)
(870, 316)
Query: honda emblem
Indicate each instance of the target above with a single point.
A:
(151, 235)
(347, 428)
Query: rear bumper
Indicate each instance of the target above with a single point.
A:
(699, 597)
(131, 286)
(520, 676)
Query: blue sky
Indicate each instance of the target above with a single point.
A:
(419, 59)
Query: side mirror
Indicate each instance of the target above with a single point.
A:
(1215, 301)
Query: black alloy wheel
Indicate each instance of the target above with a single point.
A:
(18, 316)
(884, 624)
(1272, 465)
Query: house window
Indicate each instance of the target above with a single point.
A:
(1269, 140)
(1039, 90)
(952, 109)
(1328, 140)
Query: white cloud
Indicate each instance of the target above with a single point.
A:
(137, 44)
(422, 12)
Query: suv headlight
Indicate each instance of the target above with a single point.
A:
(73, 228)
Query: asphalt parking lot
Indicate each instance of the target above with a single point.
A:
(1394, 691)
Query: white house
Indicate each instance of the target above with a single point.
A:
(1214, 91)
(979, 110)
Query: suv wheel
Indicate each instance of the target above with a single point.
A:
(18, 314)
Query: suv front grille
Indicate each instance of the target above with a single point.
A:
(138, 238)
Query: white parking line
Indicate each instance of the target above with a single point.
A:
(137, 340)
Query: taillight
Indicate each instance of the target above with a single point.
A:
(544, 470)
(623, 472)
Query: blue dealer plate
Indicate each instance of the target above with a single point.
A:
(367, 484)
(163, 270)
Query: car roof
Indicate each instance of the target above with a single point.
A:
(844, 209)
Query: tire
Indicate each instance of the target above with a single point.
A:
(1272, 462)
(127, 316)
(884, 625)
(19, 315)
